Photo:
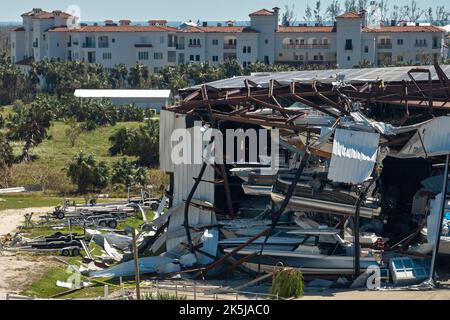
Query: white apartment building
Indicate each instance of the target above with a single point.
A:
(348, 43)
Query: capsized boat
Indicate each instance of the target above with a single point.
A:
(313, 251)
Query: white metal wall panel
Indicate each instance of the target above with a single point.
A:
(354, 156)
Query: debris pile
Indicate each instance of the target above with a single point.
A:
(359, 188)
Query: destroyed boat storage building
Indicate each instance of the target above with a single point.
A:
(315, 111)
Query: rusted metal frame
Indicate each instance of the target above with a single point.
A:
(292, 119)
(263, 123)
(277, 215)
(221, 165)
(262, 117)
(272, 97)
(405, 96)
(238, 99)
(192, 96)
(356, 235)
(313, 105)
(227, 189)
(236, 250)
(399, 95)
(273, 107)
(206, 254)
(240, 262)
(417, 104)
(430, 83)
(322, 97)
(206, 97)
(443, 78)
(187, 205)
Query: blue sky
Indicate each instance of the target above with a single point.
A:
(173, 10)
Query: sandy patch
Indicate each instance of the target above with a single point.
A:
(11, 219)
(19, 271)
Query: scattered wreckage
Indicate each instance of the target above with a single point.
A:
(363, 159)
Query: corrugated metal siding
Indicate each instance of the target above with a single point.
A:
(169, 121)
(434, 136)
(354, 156)
(183, 182)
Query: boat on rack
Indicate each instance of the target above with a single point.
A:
(313, 251)
(318, 196)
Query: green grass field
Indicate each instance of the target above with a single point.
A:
(57, 151)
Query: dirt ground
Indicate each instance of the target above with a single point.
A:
(18, 271)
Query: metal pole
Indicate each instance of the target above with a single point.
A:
(136, 266)
(441, 220)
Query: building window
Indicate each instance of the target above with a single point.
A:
(103, 42)
(215, 58)
(191, 57)
(348, 58)
(171, 56)
(399, 58)
(197, 57)
(215, 42)
(400, 42)
(266, 41)
(107, 56)
(349, 44)
(247, 49)
(113, 40)
(366, 49)
(143, 55)
(158, 55)
(157, 69)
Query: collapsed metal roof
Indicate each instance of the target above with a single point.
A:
(389, 74)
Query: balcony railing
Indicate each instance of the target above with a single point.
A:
(385, 46)
(195, 45)
(421, 45)
(180, 46)
(229, 46)
(306, 46)
(103, 44)
(88, 45)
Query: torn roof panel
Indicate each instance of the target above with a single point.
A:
(432, 139)
(390, 74)
(354, 156)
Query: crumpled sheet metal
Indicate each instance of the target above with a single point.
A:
(354, 156)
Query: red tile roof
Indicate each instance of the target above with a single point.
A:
(262, 12)
(116, 29)
(403, 29)
(349, 15)
(306, 29)
(223, 29)
(45, 15)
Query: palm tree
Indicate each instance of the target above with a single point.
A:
(118, 76)
(85, 172)
(123, 172)
(31, 126)
(138, 76)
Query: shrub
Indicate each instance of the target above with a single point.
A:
(288, 283)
